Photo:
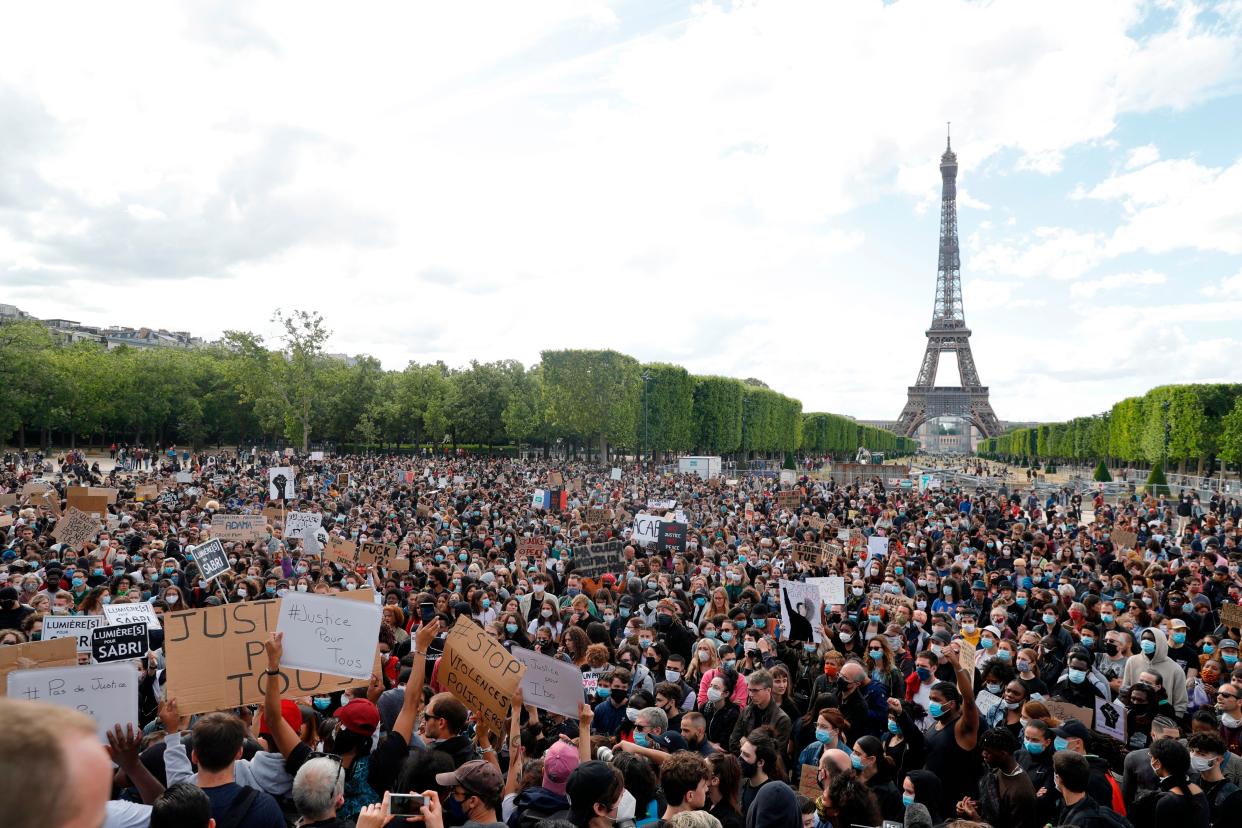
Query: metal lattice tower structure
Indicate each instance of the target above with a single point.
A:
(948, 332)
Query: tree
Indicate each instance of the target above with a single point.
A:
(667, 422)
(1101, 473)
(594, 394)
(717, 415)
(1157, 484)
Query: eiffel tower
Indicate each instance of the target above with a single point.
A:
(948, 332)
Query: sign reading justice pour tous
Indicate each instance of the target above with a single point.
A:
(328, 635)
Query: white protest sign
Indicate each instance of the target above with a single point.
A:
(328, 635)
(800, 616)
(316, 455)
(307, 526)
(549, 683)
(843, 534)
(73, 626)
(1110, 719)
(183, 477)
(987, 702)
(616, 474)
(140, 613)
(877, 547)
(656, 503)
(280, 483)
(108, 693)
(831, 589)
(646, 528)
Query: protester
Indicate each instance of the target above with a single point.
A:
(701, 695)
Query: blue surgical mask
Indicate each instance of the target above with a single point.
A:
(986, 643)
(710, 634)
(823, 736)
(1148, 647)
(1003, 655)
(1060, 744)
(1208, 649)
(511, 629)
(924, 673)
(935, 709)
(1034, 748)
(1106, 617)
(603, 692)
(1077, 676)
(1119, 604)
(1229, 660)
(1179, 638)
(726, 636)
(321, 703)
(741, 623)
(641, 739)
(856, 761)
(1021, 601)
(625, 612)
(907, 800)
(892, 727)
(1049, 619)
(1087, 641)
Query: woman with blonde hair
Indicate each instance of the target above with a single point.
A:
(702, 659)
(884, 668)
(1035, 709)
(719, 604)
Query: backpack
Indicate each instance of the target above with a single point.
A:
(239, 808)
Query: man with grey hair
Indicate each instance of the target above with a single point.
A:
(318, 791)
(761, 710)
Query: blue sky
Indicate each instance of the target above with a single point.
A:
(745, 188)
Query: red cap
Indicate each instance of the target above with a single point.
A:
(290, 712)
(360, 716)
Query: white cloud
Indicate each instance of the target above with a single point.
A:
(436, 177)
(1088, 289)
(1142, 156)
(1229, 287)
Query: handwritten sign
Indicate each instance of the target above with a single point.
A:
(239, 528)
(596, 559)
(646, 529)
(328, 635)
(615, 474)
(342, 552)
(120, 643)
(831, 589)
(385, 554)
(789, 499)
(61, 652)
(1065, 711)
(75, 528)
(1231, 615)
(877, 547)
(555, 479)
(1123, 539)
(966, 656)
(108, 693)
(549, 683)
(531, 547)
(77, 627)
(146, 491)
(302, 524)
(211, 558)
(215, 656)
(137, 613)
(808, 782)
(596, 516)
(480, 673)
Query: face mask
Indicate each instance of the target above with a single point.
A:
(921, 604)
(892, 727)
(856, 762)
(907, 800)
(946, 590)
(823, 735)
(1107, 618)
(935, 709)
(1049, 619)
(1034, 748)
(644, 642)
(726, 636)
(1087, 641)
(1119, 605)
(1077, 676)
(631, 713)
(741, 623)
(1229, 660)
(845, 638)
(968, 628)
(714, 695)
(986, 643)
(241, 593)
(1148, 647)
(672, 675)
(993, 688)
(172, 599)
(1060, 744)
(731, 664)
(923, 673)
(1200, 763)
(1179, 638)
(77, 582)
(857, 591)
(321, 703)
(511, 629)
(546, 613)
(1208, 649)
(748, 768)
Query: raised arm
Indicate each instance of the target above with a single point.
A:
(516, 753)
(123, 746)
(285, 737)
(967, 728)
(412, 702)
(585, 714)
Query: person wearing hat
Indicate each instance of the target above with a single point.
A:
(473, 794)
(548, 799)
(1074, 736)
(1181, 646)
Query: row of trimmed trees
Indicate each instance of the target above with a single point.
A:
(243, 390)
(1190, 426)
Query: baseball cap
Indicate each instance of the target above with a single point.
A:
(559, 762)
(359, 716)
(478, 776)
(290, 712)
(1073, 729)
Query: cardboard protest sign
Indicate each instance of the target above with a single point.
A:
(1123, 539)
(211, 558)
(800, 611)
(843, 534)
(808, 554)
(239, 528)
(646, 529)
(8, 499)
(596, 516)
(302, 524)
(137, 613)
(146, 491)
(549, 683)
(596, 559)
(789, 499)
(328, 635)
(1110, 719)
(120, 643)
(76, 528)
(60, 652)
(342, 552)
(386, 555)
(108, 693)
(966, 656)
(281, 483)
(35, 487)
(1065, 711)
(77, 627)
(531, 547)
(1231, 615)
(808, 781)
(215, 656)
(480, 673)
(555, 479)
(342, 481)
(672, 537)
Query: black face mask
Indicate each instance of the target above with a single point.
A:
(1110, 648)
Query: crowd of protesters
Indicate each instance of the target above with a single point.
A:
(928, 696)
